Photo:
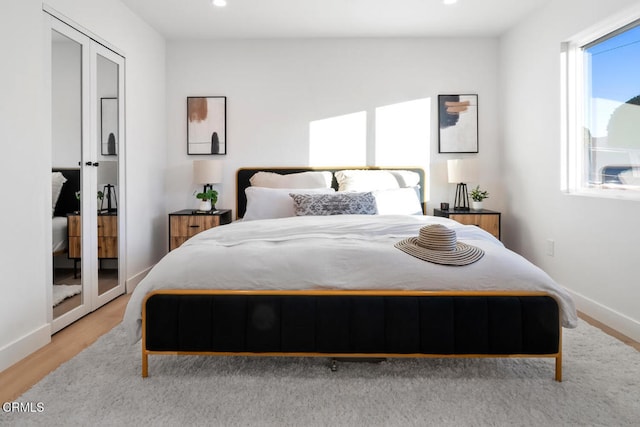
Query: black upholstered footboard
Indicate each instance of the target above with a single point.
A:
(374, 324)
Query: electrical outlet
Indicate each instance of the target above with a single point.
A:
(551, 247)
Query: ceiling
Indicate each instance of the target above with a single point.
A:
(241, 19)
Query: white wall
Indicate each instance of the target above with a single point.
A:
(275, 88)
(26, 159)
(25, 166)
(596, 240)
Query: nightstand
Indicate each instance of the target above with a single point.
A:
(107, 238)
(483, 218)
(187, 223)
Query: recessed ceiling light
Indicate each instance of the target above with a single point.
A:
(449, 1)
(219, 3)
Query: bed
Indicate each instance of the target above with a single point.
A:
(65, 184)
(335, 286)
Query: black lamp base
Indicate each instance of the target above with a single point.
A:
(462, 198)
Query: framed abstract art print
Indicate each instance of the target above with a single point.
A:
(458, 123)
(207, 125)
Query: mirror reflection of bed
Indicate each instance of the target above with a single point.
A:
(67, 274)
(66, 289)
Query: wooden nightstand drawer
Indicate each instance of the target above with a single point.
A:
(185, 224)
(108, 225)
(75, 248)
(74, 227)
(107, 236)
(484, 218)
(190, 225)
(107, 247)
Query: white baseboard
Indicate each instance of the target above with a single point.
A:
(132, 282)
(24, 346)
(618, 321)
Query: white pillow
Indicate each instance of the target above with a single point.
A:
(399, 201)
(365, 180)
(57, 181)
(304, 180)
(406, 178)
(267, 203)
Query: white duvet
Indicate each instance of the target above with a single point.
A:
(59, 233)
(342, 251)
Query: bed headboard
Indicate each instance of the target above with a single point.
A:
(67, 202)
(244, 175)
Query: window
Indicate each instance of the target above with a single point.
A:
(603, 113)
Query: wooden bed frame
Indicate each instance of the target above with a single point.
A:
(356, 324)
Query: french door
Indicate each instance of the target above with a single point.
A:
(87, 139)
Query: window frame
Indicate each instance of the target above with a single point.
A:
(573, 97)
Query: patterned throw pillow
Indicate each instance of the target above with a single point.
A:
(335, 204)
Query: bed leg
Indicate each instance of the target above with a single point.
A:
(334, 365)
(145, 364)
(559, 368)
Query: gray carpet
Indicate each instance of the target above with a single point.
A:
(102, 386)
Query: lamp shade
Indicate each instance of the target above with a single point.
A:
(207, 171)
(461, 170)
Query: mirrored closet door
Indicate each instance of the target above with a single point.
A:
(87, 139)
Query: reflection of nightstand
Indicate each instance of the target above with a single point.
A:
(483, 218)
(107, 237)
(185, 224)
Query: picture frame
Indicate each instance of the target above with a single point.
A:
(109, 126)
(458, 123)
(206, 125)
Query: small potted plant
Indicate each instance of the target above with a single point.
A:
(100, 198)
(477, 196)
(208, 199)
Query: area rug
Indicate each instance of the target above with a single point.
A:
(62, 292)
(102, 386)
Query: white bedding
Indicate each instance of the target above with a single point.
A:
(59, 233)
(341, 251)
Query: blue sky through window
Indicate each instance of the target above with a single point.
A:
(614, 76)
(615, 65)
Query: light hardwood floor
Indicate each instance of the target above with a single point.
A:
(76, 337)
(64, 345)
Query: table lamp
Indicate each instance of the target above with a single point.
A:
(207, 173)
(461, 171)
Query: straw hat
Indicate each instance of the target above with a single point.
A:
(438, 244)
